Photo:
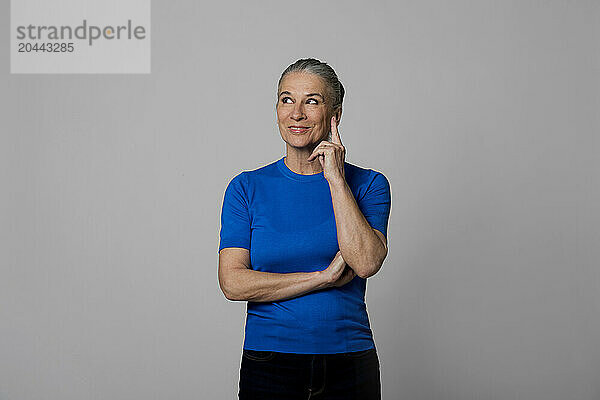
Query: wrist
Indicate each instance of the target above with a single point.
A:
(322, 280)
(337, 183)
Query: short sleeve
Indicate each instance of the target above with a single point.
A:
(235, 217)
(376, 203)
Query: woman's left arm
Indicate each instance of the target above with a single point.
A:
(363, 247)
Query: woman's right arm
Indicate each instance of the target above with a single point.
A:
(239, 282)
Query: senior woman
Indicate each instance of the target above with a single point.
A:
(299, 237)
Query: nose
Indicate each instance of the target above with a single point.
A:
(298, 112)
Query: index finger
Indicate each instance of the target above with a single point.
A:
(335, 134)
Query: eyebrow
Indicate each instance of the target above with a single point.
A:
(308, 95)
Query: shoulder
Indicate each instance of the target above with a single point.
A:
(364, 176)
(249, 176)
(366, 183)
(264, 170)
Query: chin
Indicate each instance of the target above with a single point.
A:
(298, 144)
(301, 140)
(296, 141)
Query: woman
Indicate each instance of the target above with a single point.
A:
(298, 239)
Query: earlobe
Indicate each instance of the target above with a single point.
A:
(338, 116)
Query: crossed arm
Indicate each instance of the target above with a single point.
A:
(362, 248)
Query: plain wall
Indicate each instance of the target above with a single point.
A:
(484, 116)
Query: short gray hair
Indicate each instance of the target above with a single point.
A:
(322, 70)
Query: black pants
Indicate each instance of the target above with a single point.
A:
(269, 375)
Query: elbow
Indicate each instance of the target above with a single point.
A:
(229, 290)
(364, 274)
(232, 296)
(228, 295)
(226, 292)
(367, 261)
(368, 271)
(371, 267)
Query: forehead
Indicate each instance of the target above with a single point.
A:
(302, 82)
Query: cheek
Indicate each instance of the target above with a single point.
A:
(281, 114)
(320, 121)
(316, 117)
(320, 116)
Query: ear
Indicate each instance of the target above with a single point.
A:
(338, 114)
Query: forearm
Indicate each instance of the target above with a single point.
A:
(360, 246)
(259, 286)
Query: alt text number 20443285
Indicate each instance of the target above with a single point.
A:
(46, 47)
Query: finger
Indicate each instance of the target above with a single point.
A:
(317, 151)
(314, 153)
(335, 134)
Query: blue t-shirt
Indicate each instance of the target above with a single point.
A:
(287, 222)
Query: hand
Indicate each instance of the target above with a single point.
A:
(338, 273)
(331, 155)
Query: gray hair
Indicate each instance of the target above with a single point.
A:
(322, 70)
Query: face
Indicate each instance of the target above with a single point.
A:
(303, 110)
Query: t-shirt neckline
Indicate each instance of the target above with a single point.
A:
(298, 177)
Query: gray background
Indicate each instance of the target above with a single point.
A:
(103, 55)
(483, 116)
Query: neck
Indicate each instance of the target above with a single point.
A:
(295, 160)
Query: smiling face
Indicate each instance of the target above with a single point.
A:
(303, 109)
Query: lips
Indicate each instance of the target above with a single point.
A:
(298, 129)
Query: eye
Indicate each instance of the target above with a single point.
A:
(286, 100)
(313, 100)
